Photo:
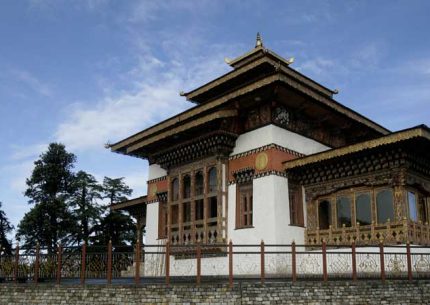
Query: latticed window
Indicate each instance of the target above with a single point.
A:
(199, 184)
(186, 187)
(175, 189)
(244, 206)
(212, 185)
(194, 208)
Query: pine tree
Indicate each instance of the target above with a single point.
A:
(5, 228)
(86, 210)
(50, 186)
(115, 225)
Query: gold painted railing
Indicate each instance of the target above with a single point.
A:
(205, 234)
(390, 233)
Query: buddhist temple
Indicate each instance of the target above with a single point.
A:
(267, 153)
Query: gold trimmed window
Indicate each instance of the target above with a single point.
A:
(363, 208)
(362, 205)
(384, 206)
(344, 211)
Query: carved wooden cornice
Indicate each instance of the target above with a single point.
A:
(162, 196)
(157, 179)
(348, 167)
(191, 124)
(367, 145)
(218, 143)
(249, 176)
(243, 175)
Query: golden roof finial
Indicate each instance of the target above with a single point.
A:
(259, 42)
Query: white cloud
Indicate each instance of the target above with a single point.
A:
(154, 97)
(316, 66)
(115, 118)
(32, 82)
(26, 152)
(18, 173)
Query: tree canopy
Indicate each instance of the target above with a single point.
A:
(67, 206)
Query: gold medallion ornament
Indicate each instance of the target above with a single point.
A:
(261, 161)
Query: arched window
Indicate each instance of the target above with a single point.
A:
(186, 193)
(384, 206)
(324, 214)
(175, 189)
(363, 207)
(343, 207)
(199, 184)
(212, 180)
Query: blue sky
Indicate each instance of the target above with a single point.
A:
(87, 72)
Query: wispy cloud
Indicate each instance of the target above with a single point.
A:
(26, 152)
(32, 82)
(316, 65)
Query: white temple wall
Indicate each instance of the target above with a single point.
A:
(155, 171)
(151, 235)
(273, 134)
(285, 232)
(263, 214)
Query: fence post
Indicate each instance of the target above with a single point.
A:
(199, 263)
(59, 263)
(137, 263)
(262, 275)
(109, 263)
(354, 261)
(293, 261)
(167, 261)
(83, 262)
(382, 261)
(230, 263)
(324, 260)
(409, 260)
(36, 264)
(16, 265)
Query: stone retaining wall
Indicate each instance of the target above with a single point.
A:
(342, 292)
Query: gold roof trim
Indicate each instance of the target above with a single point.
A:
(129, 203)
(217, 115)
(338, 152)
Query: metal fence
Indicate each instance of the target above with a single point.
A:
(230, 262)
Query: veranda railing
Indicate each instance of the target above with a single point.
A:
(230, 262)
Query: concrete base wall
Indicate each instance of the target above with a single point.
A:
(365, 292)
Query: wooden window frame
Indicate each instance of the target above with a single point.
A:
(162, 220)
(244, 214)
(296, 205)
(375, 196)
(202, 167)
